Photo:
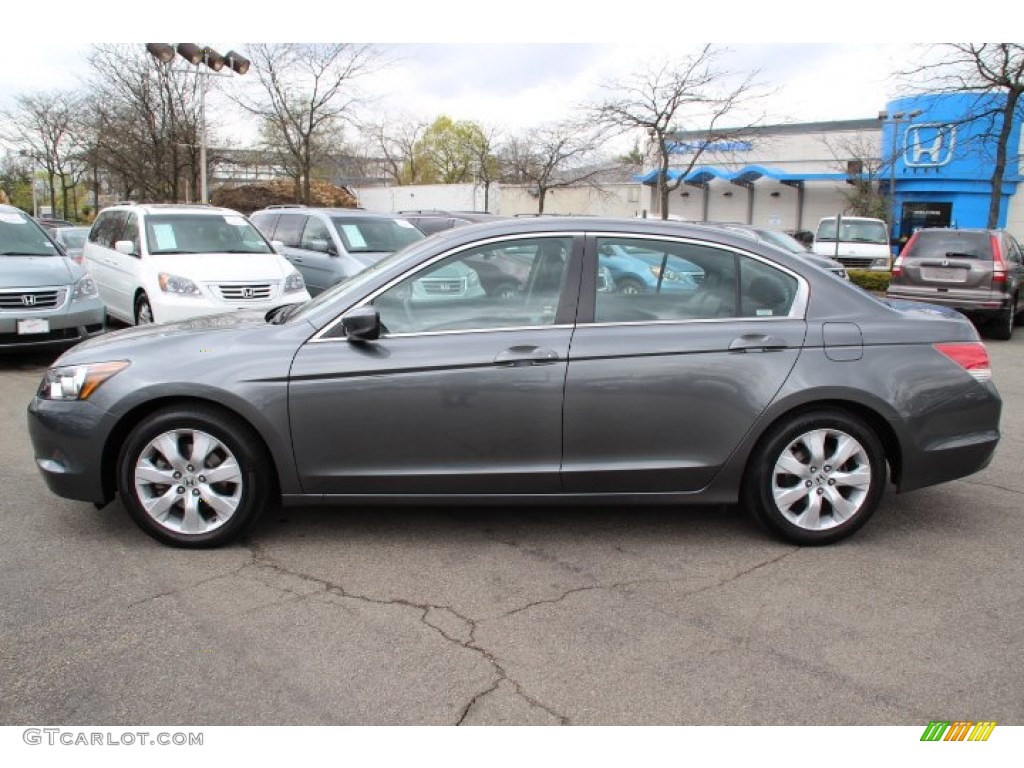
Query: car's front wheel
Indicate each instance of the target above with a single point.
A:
(143, 310)
(816, 478)
(194, 477)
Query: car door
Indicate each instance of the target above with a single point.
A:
(100, 260)
(663, 385)
(317, 255)
(125, 269)
(462, 393)
(289, 233)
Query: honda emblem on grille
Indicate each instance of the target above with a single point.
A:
(248, 292)
(945, 262)
(28, 300)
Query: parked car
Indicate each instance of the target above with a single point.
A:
(160, 263)
(860, 243)
(328, 245)
(975, 271)
(73, 239)
(52, 223)
(772, 384)
(46, 299)
(789, 244)
(639, 269)
(430, 221)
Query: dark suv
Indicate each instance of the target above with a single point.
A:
(976, 271)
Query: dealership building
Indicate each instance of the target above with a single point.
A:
(927, 154)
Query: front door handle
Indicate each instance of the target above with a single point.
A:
(526, 355)
(757, 342)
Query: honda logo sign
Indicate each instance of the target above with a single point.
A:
(930, 145)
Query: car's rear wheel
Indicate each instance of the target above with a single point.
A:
(816, 478)
(1001, 328)
(143, 310)
(194, 477)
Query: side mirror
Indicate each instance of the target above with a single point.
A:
(362, 324)
(277, 245)
(322, 246)
(127, 247)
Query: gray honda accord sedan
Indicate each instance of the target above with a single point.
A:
(769, 383)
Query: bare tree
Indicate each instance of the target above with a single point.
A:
(693, 93)
(993, 71)
(395, 141)
(45, 127)
(486, 164)
(553, 156)
(307, 96)
(858, 157)
(144, 123)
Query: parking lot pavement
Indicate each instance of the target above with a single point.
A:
(581, 616)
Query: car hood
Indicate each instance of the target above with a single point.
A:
(369, 258)
(213, 267)
(110, 343)
(34, 271)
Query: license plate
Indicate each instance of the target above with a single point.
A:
(949, 274)
(35, 325)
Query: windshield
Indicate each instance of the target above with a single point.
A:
(372, 234)
(853, 231)
(203, 233)
(20, 236)
(784, 241)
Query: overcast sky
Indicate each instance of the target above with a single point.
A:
(540, 59)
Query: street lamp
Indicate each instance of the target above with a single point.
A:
(214, 63)
(895, 118)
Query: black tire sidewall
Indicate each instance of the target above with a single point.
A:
(143, 299)
(757, 493)
(243, 443)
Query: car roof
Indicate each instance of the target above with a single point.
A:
(331, 211)
(172, 208)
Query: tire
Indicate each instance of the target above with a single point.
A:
(143, 310)
(505, 292)
(832, 501)
(630, 286)
(166, 471)
(1001, 328)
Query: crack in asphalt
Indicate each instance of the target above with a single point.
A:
(991, 485)
(187, 587)
(262, 560)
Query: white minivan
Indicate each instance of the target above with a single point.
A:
(862, 243)
(162, 263)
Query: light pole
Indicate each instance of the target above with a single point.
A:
(213, 63)
(32, 176)
(895, 118)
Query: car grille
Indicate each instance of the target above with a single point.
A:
(27, 300)
(851, 262)
(438, 285)
(246, 291)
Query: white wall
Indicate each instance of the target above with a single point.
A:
(446, 197)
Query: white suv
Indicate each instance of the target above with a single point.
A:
(161, 263)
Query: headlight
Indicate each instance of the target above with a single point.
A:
(77, 382)
(294, 282)
(669, 274)
(181, 286)
(84, 289)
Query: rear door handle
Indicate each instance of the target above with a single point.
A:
(757, 342)
(526, 355)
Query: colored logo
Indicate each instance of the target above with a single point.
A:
(930, 145)
(958, 730)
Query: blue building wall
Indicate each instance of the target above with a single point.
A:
(942, 157)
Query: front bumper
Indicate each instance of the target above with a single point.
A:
(172, 309)
(67, 441)
(77, 322)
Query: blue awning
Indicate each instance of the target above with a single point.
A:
(704, 174)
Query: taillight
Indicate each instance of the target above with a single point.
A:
(971, 356)
(897, 266)
(998, 265)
